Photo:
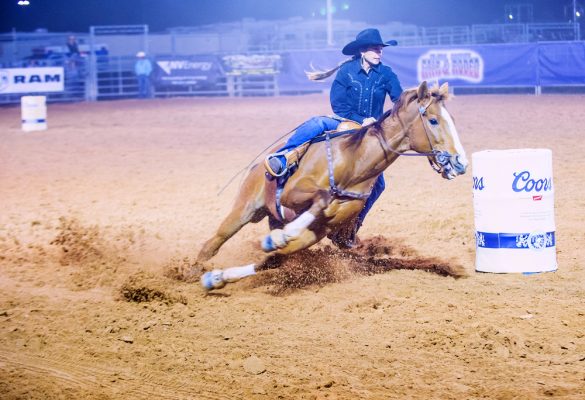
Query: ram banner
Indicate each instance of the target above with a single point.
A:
(32, 80)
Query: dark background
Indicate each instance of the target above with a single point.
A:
(77, 16)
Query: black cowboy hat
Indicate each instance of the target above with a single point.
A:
(367, 37)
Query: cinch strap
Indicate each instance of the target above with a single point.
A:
(334, 189)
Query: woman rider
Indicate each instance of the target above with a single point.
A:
(357, 94)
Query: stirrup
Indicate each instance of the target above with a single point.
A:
(271, 170)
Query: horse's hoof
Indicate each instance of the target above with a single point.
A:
(213, 280)
(268, 245)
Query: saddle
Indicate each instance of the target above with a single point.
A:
(275, 184)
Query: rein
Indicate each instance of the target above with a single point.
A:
(433, 153)
(441, 158)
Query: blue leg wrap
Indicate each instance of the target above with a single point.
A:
(268, 244)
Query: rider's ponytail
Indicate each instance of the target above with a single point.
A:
(320, 75)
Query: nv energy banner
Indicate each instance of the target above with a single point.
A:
(31, 80)
(197, 71)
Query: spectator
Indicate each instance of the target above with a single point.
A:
(143, 69)
(102, 57)
(72, 47)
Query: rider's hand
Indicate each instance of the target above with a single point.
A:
(368, 121)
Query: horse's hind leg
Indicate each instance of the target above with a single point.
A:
(218, 278)
(249, 207)
(297, 236)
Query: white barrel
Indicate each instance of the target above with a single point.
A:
(513, 199)
(34, 113)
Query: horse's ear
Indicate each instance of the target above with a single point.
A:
(444, 90)
(423, 90)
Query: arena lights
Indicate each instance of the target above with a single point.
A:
(23, 2)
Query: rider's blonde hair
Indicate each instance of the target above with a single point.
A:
(320, 75)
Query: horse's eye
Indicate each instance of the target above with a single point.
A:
(433, 121)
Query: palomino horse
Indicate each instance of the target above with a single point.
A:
(335, 176)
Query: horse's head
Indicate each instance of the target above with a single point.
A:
(433, 130)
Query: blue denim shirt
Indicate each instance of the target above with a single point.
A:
(357, 95)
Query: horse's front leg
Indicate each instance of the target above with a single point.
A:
(249, 207)
(279, 239)
(306, 239)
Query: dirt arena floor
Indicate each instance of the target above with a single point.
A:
(102, 216)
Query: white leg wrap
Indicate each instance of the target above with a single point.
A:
(294, 228)
(236, 273)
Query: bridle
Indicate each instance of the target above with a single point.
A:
(439, 160)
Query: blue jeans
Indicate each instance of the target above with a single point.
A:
(377, 190)
(143, 86)
(312, 128)
(308, 130)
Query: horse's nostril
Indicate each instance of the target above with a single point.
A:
(442, 158)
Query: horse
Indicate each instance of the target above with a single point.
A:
(334, 177)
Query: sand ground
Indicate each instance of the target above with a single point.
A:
(102, 213)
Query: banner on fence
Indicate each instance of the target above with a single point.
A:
(31, 80)
(562, 65)
(479, 65)
(490, 65)
(196, 71)
(256, 64)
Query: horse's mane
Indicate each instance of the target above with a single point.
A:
(407, 97)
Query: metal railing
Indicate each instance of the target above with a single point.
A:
(97, 74)
(268, 36)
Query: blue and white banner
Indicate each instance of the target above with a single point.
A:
(534, 241)
(32, 80)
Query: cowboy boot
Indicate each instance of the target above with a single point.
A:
(274, 165)
(279, 163)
